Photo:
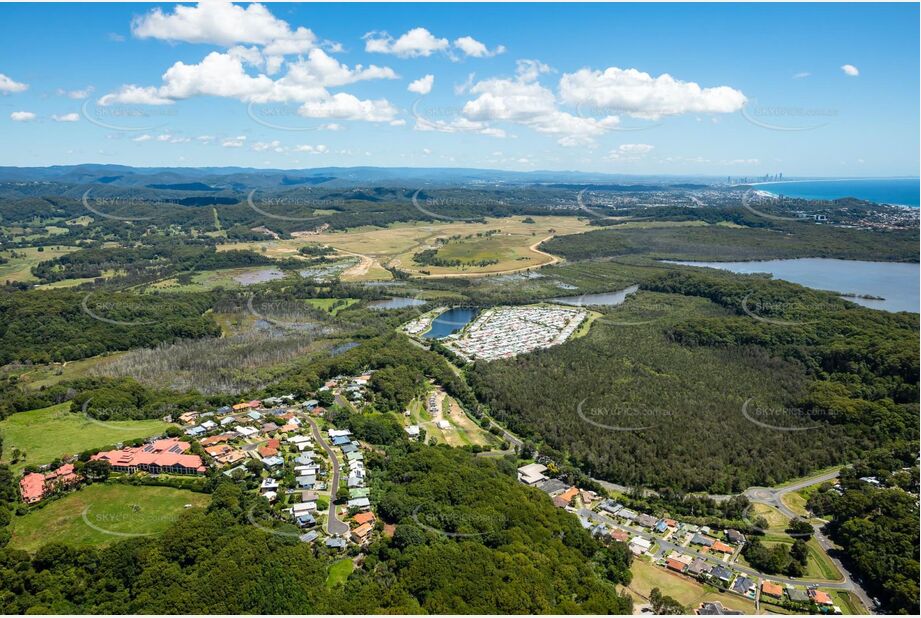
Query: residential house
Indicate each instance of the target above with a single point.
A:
(305, 520)
(647, 521)
(719, 546)
(336, 543)
(268, 484)
(675, 565)
(362, 503)
(266, 451)
(611, 507)
(620, 536)
(721, 573)
(716, 608)
(820, 597)
(735, 536)
(361, 533)
(640, 545)
(247, 432)
(744, 586)
(413, 432)
(34, 486)
(698, 567)
(364, 518)
(797, 596)
(699, 539)
(565, 498)
(309, 537)
(273, 462)
(627, 514)
(771, 589)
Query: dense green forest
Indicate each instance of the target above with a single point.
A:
(58, 325)
(719, 243)
(522, 555)
(654, 394)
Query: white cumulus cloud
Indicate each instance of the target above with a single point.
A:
(220, 22)
(8, 85)
(23, 116)
(643, 96)
(475, 49)
(71, 117)
(850, 69)
(423, 85)
(415, 43)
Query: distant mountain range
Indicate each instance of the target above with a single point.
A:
(208, 179)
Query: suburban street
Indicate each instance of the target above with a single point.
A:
(334, 526)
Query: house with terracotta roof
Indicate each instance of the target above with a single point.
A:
(719, 546)
(565, 498)
(361, 533)
(32, 487)
(157, 457)
(364, 518)
(35, 485)
(620, 536)
(267, 451)
(675, 565)
(820, 597)
(772, 589)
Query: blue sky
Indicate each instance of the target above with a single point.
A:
(721, 89)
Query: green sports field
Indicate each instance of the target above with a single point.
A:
(101, 514)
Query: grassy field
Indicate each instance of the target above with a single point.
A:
(211, 279)
(850, 605)
(339, 571)
(818, 565)
(19, 268)
(38, 376)
(689, 593)
(101, 514)
(396, 244)
(326, 304)
(48, 433)
(463, 431)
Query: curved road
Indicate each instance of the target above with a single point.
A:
(334, 526)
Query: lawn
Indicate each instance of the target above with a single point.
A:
(44, 375)
(339, 571)
(818, 565)
(326, 304)
(48, 433)
(686, 591)
(101, 514)
(19, 268)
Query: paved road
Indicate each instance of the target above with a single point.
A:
(773, 496)
(334, 526)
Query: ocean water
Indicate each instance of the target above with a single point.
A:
(900, 191)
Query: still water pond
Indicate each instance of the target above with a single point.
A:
(450, 322)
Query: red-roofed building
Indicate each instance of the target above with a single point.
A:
(364, 518)
(676, 565)
(32, 487)
(820, 597)
(35, 485)
(160, 456)
(267, 451)
(620, 536)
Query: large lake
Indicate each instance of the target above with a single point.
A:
(896, 282)
(450, 322)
